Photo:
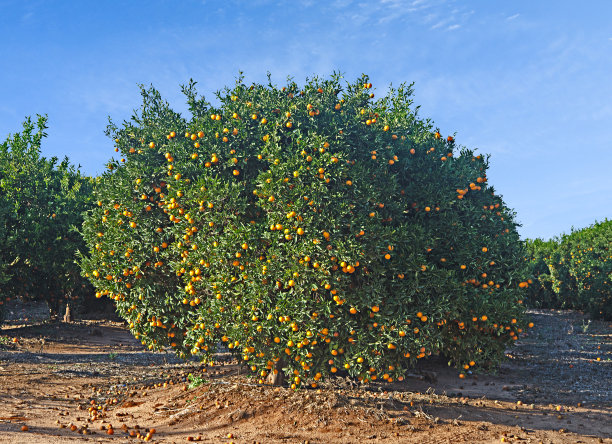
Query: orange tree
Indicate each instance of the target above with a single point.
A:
(41, 205)
(538, 256)
(574, 271)
(590, 263)
(312, 230)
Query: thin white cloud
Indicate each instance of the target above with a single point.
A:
(450, 21)
(512, 17)
(429, 18)
(439, 24)
(398, 4)
(340, 4)
(386, 11)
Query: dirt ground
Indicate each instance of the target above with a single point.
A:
(73, 382)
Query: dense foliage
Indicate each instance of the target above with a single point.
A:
(574, 271)
(41, 205)
(312, 230)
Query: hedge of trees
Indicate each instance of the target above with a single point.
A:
(574, 270)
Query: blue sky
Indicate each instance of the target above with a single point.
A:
(527, 82)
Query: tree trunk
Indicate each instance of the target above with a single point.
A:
(277, 376)
(68, 314)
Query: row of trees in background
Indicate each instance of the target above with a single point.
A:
(42, 202)
(573, 271)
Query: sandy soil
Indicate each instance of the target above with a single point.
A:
(73, 382)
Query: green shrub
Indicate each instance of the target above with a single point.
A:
(41, 204)
(310, 229)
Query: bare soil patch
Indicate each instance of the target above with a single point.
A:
(556, 387)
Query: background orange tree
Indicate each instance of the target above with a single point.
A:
(573, 271)
(311, 229)
(41, 206)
